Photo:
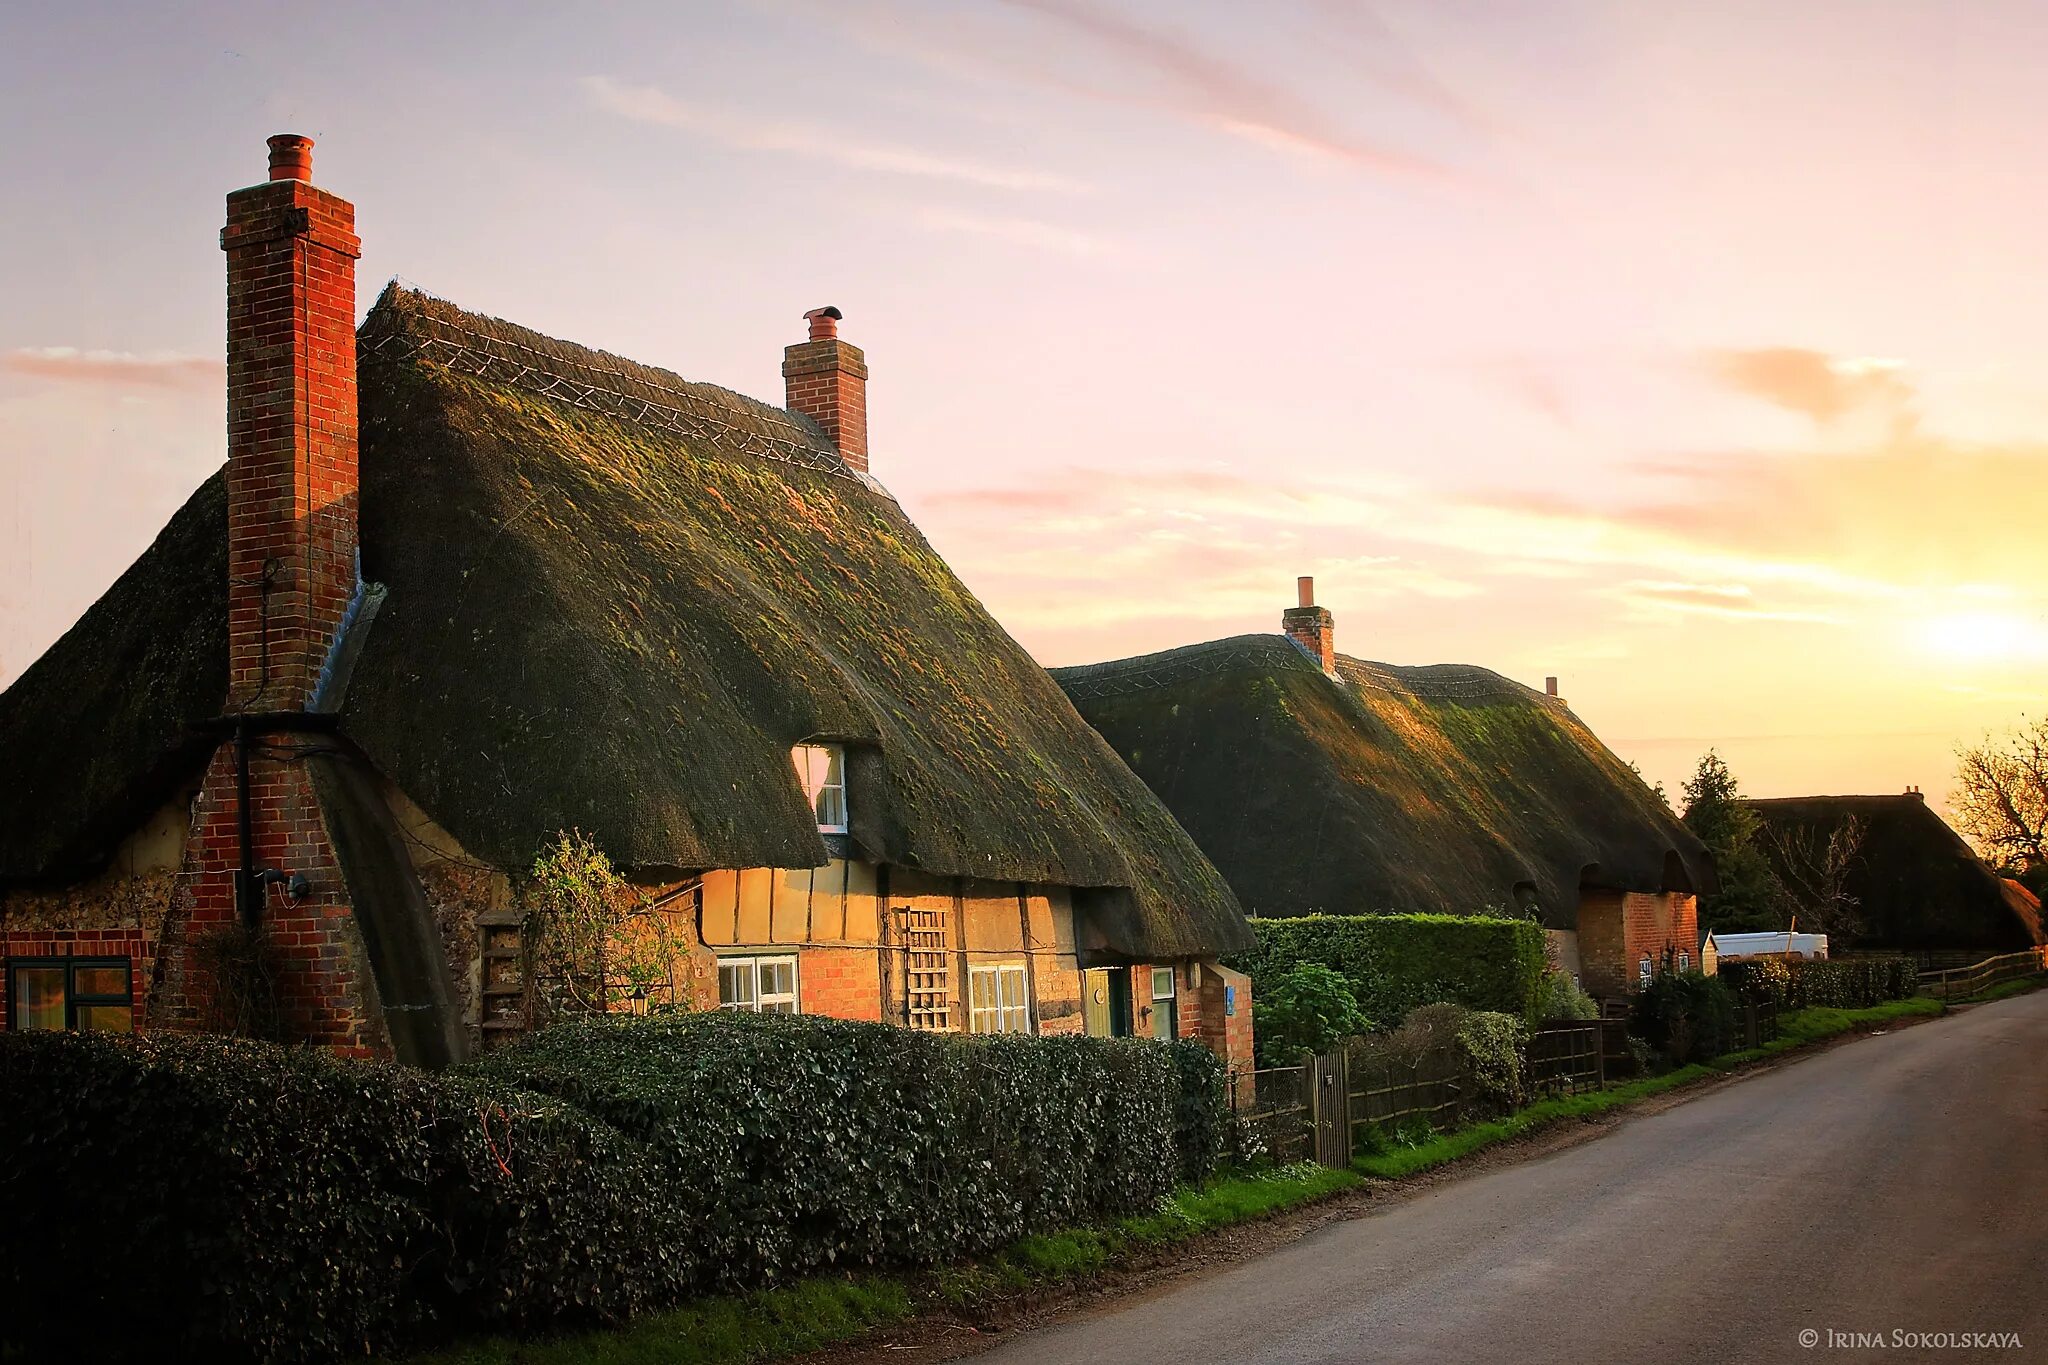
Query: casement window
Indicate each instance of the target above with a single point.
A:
(761, 985)
(91, 994)
(1165, 1005)
(1645, 969)
(1685, 962)
(822, 770)
(998, 999)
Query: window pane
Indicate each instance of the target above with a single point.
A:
(831, 807)
(100, 981)
(1013, 986)
(105, 1018)
(1162, 983)
(736, 985)
(38, 995)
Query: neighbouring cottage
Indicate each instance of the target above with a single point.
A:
(1320, 783)
(1913, 883)
(460, 588)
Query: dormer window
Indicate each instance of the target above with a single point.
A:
(822, 770)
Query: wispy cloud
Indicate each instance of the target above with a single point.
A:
(1019, 231)
(648, 104)
(1222, 93)
(115, 369)
(1823, 387)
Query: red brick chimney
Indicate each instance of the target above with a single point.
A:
(291, 252)
(827, 380)
(1312, 627)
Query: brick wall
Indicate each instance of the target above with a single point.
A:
(845, 983)
(1217, 1012)
(1618, 929)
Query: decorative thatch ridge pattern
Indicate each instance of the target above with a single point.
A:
(620, 619)
(1918, 884)
(1441, 788)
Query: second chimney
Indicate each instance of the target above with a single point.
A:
(1312, 627)
(826, 380)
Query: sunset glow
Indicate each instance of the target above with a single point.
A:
(1691, 354)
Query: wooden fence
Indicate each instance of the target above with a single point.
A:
(1320, 1110)
(1960, 983)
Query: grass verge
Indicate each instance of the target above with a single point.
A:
(2004, 990)
(816, 1313)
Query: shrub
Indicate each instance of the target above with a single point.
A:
(1308, 1008)
(1396, 963)
(1494, 1046)
(1851, 982)
(1559, 997)
(1759, 978)
(253, 1202)
(1201, 1112)
(1687, 1016)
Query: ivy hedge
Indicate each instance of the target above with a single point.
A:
(1839, 982)
(202, 1198)
(1398, 963)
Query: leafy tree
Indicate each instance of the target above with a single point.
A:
(1751, 896)
(1307, 1009)
(2001, 799)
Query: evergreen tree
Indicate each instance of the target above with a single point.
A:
(1751, 896)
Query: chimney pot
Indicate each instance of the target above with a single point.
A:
(1311, 627)
(1550, 687)
(1305, 591)
(824, 322)
(291, 157)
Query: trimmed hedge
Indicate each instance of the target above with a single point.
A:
(1687, 1016)
(1397, 963)
(205, 1198)
(1839, 983)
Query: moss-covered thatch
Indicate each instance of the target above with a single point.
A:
(616, 600)
(1446, 788)
(1918, 885)
(97, 733)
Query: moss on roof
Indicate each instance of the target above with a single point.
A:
(1918, 884)
(615, 600)
(1445, 788)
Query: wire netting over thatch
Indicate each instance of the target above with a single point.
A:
(615, 600)
(1445, 788)
(1917, 884)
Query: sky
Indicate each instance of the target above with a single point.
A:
(1690, 353)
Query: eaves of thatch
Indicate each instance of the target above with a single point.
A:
(1446, 788)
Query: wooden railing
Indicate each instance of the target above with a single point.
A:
(1960, 983)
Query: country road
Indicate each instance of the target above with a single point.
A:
(1898, 1182)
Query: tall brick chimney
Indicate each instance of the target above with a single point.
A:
(827, 380)
(291, 251)
(1312, 627)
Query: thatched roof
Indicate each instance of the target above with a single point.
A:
(616, 599)
(1445, 788)
(1917, 883)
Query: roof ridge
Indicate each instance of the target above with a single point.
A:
(410, 324)
(1166, 667)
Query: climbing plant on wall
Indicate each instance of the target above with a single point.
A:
(591, 934)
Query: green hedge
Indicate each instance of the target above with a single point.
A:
(1851, 982)
(183, 1197)
(1687, 1016)
(1396, 963)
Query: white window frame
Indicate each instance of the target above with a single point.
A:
(1167, 1005)
(814, 765)
(1646, 969)
(1004, 1015)
(1685, 962)
(760, 1001)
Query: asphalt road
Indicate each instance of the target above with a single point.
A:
(1895, 1183)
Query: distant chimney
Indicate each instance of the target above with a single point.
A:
(1312, 627)
(1550, 687)
(291, 255)
(827, 381)
(1916, 793)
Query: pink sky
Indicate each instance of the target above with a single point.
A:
(1694, 354)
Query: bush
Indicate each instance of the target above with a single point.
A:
(1559, 997)
(1687, 1016)
(1308, 1008)
(1490, 1046)
(1396, 963)
(194, 1197)
(231, 1200)
(1851, 982)
(1759, 978)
